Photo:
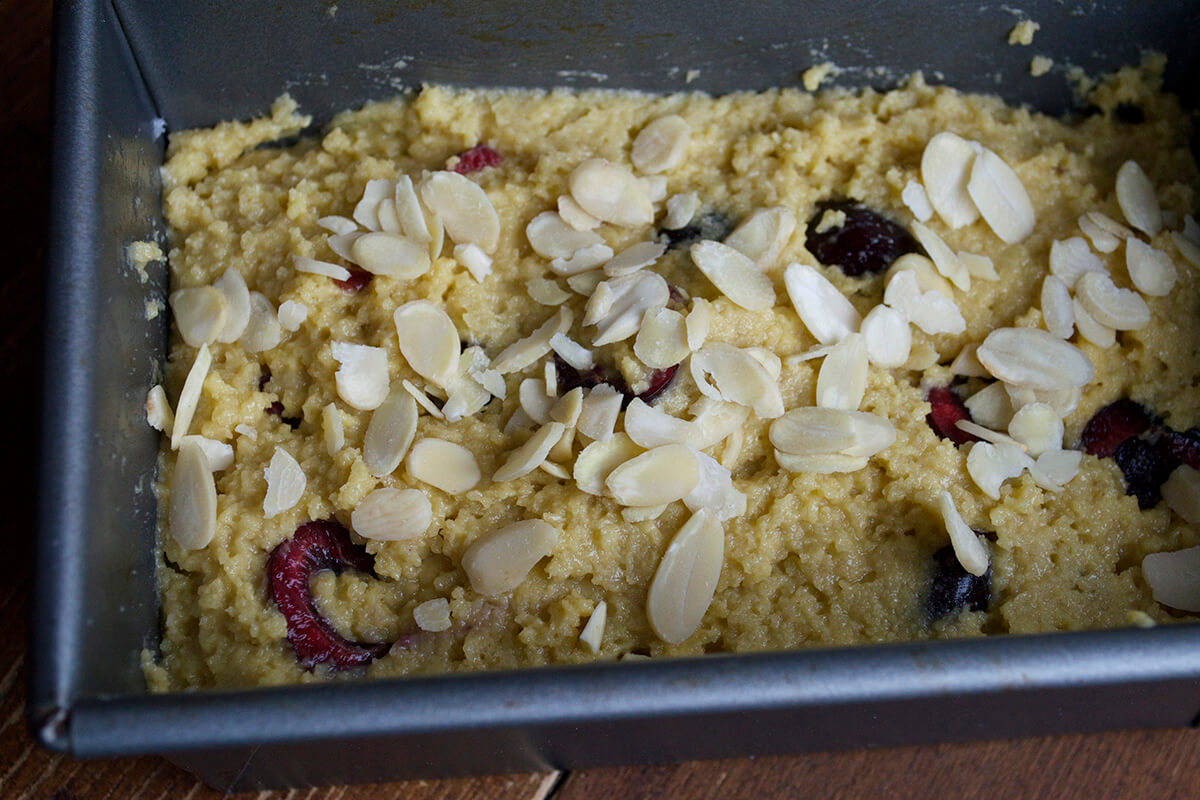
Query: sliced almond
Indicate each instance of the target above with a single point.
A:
(697, 323)
(596, 461)
(914, 197)
(593, 632)
(285, 483)
(928, 278)
(582, 260)
(366, 212)
(681, 210)
(991, 464)
(611, 193)
(1071, 259)
(563, 450)
(662, 340)
(263, 331)
(572, 352)
(1105, 233)
(422, 399)
(932, 312)
(409, 214)
(574, 215)
(714, 420)
(887, 337)
(443, 465)
(1055, 468)
(967, 364)
(391, 255)
(555, 470)
(979, 266)
(634, 257)
(437, 232)
(332, 429)
(813, 431)
(1063, 401)
(1174, 578)
(468, 395)
(158, 410)
(323, 268)
(739, 378)
(547, 292)
(1034, 359)
(1038, 427)
(734, 274)
(1058, 310)
(526, 458)
(1136, 197)
(715, 491)
(686, 578)
(823, 309)
(362, 379)
(523, 352)
(1120, 309)
(661, 144)
(1000, 197)
(945, 171)
(337, 225)
(650, 427)
(192, 512)
(842, 380)
(389, 434)
(499, 561)
(968, 548)
(568, 407)
(200, 314)
(386, 212)
(392, 515)
(218, 454)
(433, 615)
(463, 208)
(987, 434)
(1151, 270)
(1182, 493)
(249, 431)
(428, 341)
(237, 300)
(342, 245)
(820, 464)
(624, 302)
(763, 235)
(534, 399)
(662, 475)
(945, 259)
(655, 187)
(1187, 248)
(1089, 329)
(772, 363)
(189, 396)
(599, 414)
(991, 406)
(291, 315)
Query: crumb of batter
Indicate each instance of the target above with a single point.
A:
(1040, 65)
(815, 75)
(1022, 33)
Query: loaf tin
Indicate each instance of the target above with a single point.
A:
(127, 70)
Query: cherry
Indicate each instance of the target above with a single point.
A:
(1112, 425)
(1146, 466)
(569, 377)
(866, 244)
(945, 409)
(358, 280)
(954, 588)
(477, 158)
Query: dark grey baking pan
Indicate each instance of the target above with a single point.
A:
(126, 69)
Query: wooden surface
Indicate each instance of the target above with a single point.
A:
(1158, 765)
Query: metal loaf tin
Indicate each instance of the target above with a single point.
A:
(123, 67)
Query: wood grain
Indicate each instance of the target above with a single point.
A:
(1160, 765)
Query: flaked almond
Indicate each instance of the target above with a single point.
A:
(1055, 468)
(611, 193)
(1182, 493)
(1034, 359)
(337, 225)
(232, 285)
(546, 292)
(971, 552)
(979, 266)
(991, 406)
(342, 245)
(813, 431)
(409, 214)
(634, 257)
(1000, 197)
(991, 464)
(739, 378)
(389, 434)
(1038, 427)
(585, 282)
(1105, 233)
(921, 357)
(821, 463)
(887, 337)
(200, 314)
(944, 259)
(563, 450)
(535, 400)
(593, 632)
(932, 312)
(764, 235)
(1071, 259)
(987, 434)
(572, 352)
(928, 278)
(550, 376)
(733, 448)
(437, 232)
(842, 380)
(967, 364)
(263, 331)
(686, 578)
(392, 515)
(715, 491)
(498, 561)
(526, 458)
(285, 483)
(599, 414)
(662, 475)
(1058, 311)
(735, 275)
(618, 305)
(469, 395)
(249, 431)
(362, 378)
(428, 341)
(568, 407)
(433, 615)
(463, 208)
(418, 394)
(574, 215)
(324, 268)
(443, 465)
(1063, 401)
(662, 340)
(366, 212)
(192, 511)
(582, 260)
(772, 363)
(681, 209)
(523, 352)
(1174, 578)
(218, 454)
(1089, 329)
(714, 420)
(1151, 270)
(1187, 248)
(596, 461)
(655, 187)
(697, 323)
(391, 255)
(1136, 197)
(914, 197)
(650, 427)
(555, 470)
(189, 396)
(158, 410)
(945, 171)
(1119, 309)
(661, 144)
(823, 309)
(332, 429)
(291, 315)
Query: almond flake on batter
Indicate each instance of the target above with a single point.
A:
(389, 434)
(422, 399)
(808, 355)
(392, 515)
(655, 187)
(285, 483)
(733, 448)
(1063, 401)
(192, 509)
(386, 212)
(945, 170)
(1136, 197)
(1038, 427)
(572, 352)
(366, 212)
(662, 340)
(662, 475)
(1058, 311)
(1119, 309)
(1187, 248)
(1151, 270)
(1105, 233)
(823, 309)
(772, 363)
(1035, 359)
(1055, 468)
(200, 314)
(546, 292)
(464, 209)
(660, 145)
(1071, 259)
(813, 431)
(362, 379)
(820, 464)
(634, 257)
(477, 262)
(598, 417)
(568, 408)
(681, 209)
(921, 357)
(764, 235)
(593, 632)
(928, 278)
(437, 232)
(291, 315)
(337, 225)
(574, 215)
(987, 434)
(1000, 197)
(218, 454)
(550, 376)
(945, 259)
(428, 341)
(932, 312)
(524, 352)
(697, 323)
(249, 431)
(332, 428)
(535, 399)
(1182, 493)
(715, 420)
(991, 406)
(497, 562)
(651, 427)
(555, 470)
(158, 410)
(342, 244)
(433, 615)
(1089, 330)
(527, 457)
(842, 379)
(968, 548)
(686, 578)
(618, 305)
(596, 461)
(473, 388)
(734, 274)
(585, 283)
(967, 364)
(189, 396)
(611, 193)
(443, 465)
(1173, 578)
(409, 213)
(237, 298)
(582, 260)
(979, 266)
(714, 491)
(917, 201)
(739, 378)
(887, 336)
(324, 268)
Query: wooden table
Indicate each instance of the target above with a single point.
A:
(1156, 764)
